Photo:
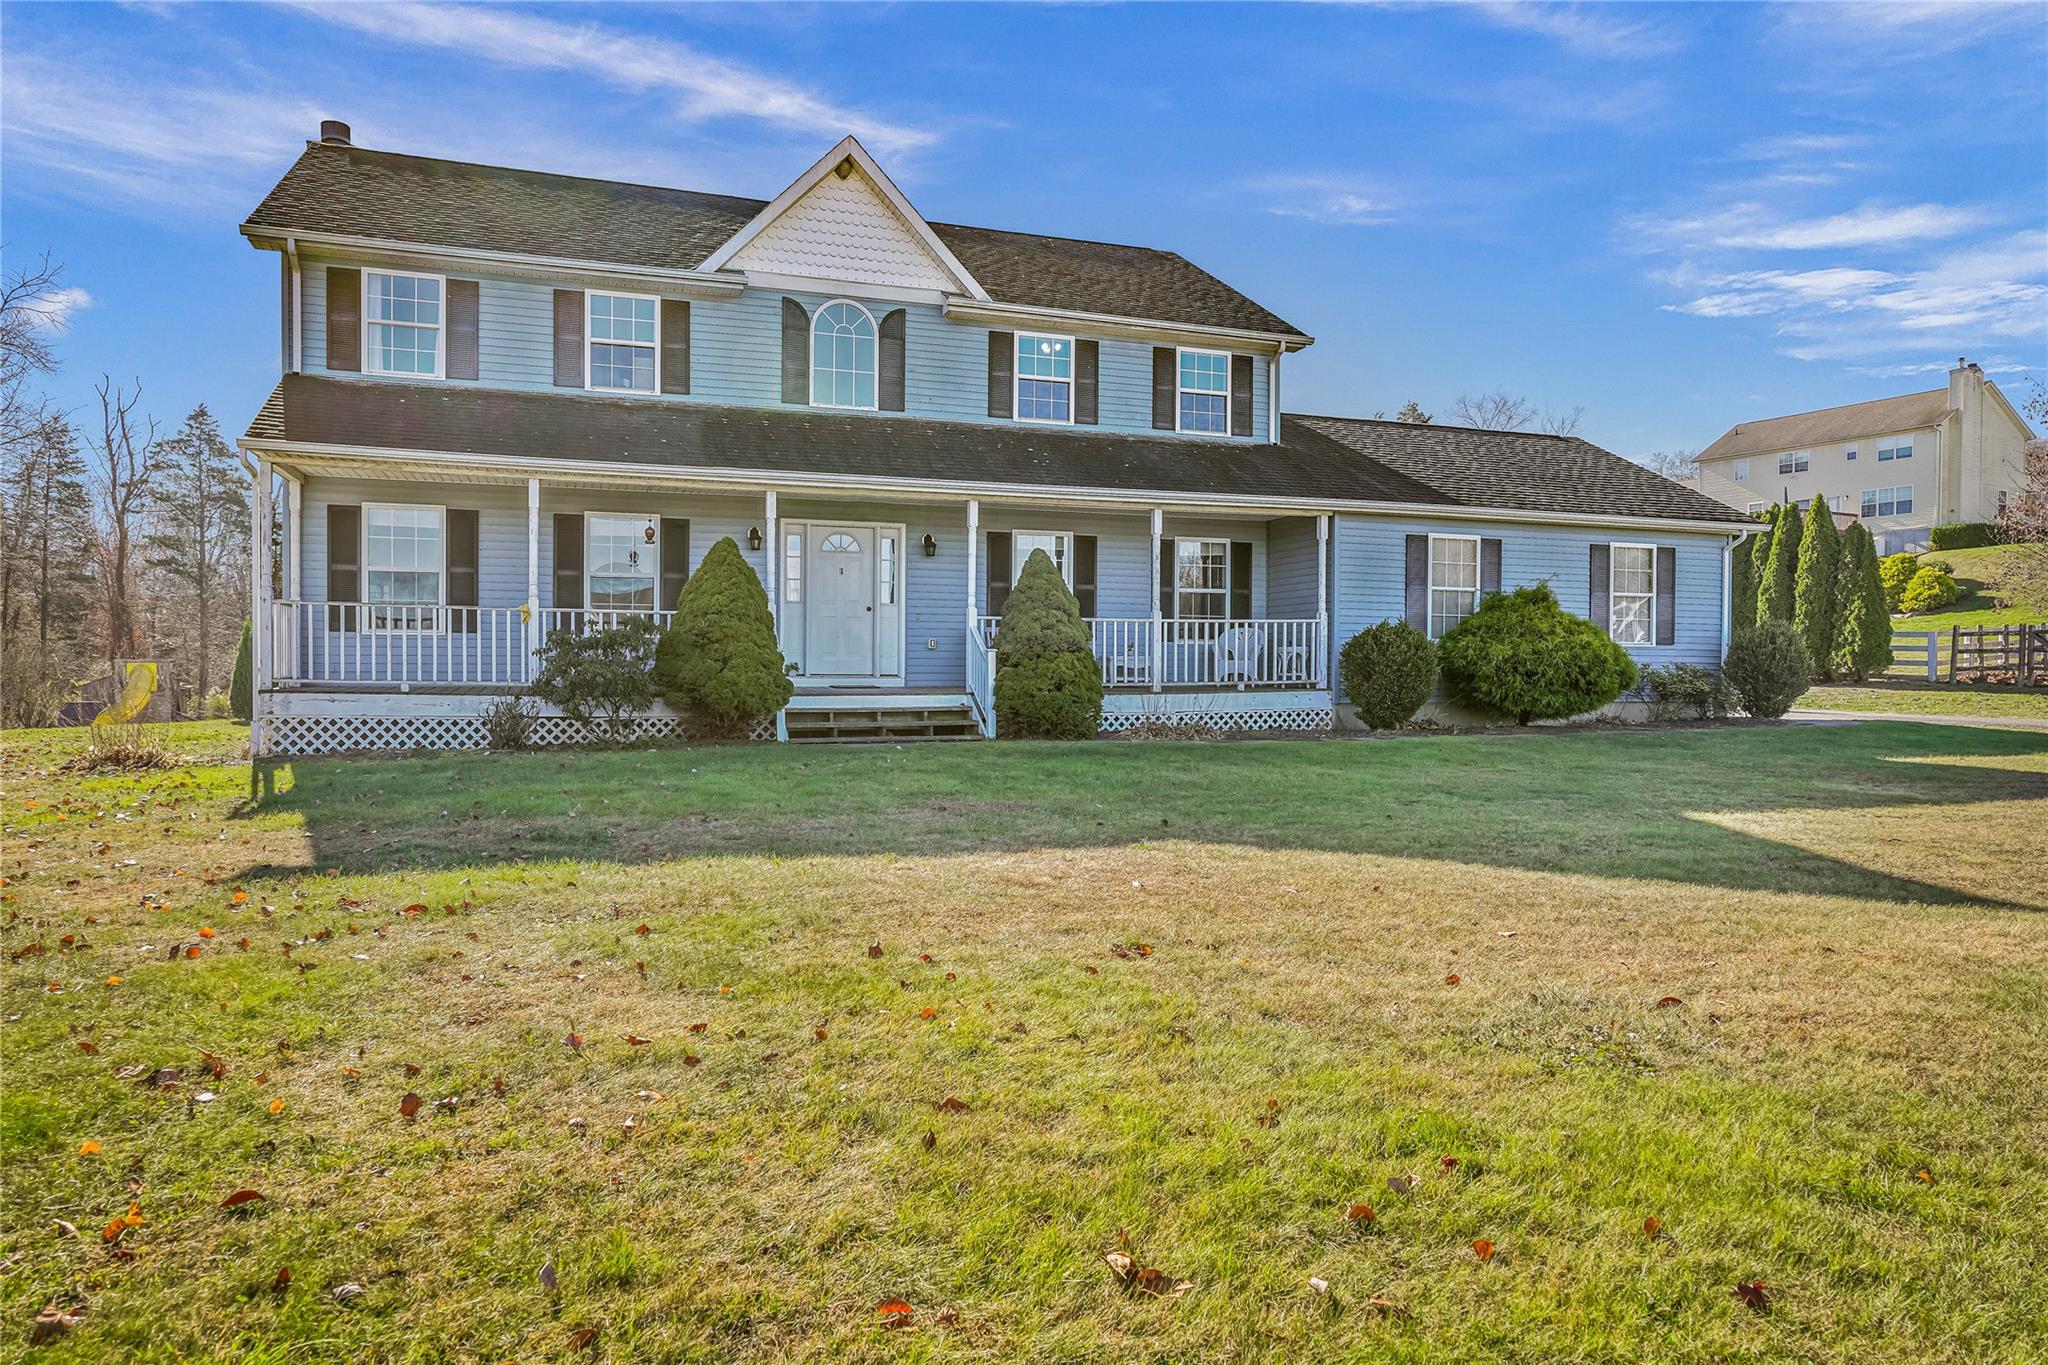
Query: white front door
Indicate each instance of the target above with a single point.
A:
(840, 619)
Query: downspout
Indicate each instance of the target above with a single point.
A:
(1728, 589)
(1273, 399)
(291, 254)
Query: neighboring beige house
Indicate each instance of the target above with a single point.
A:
(1902, 464)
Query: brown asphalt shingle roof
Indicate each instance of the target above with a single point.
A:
(390, 196)
(1851, 421)
(1319, 457)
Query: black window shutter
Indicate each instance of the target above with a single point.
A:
(1667, 595)
(675, 345)
(1415, 602)
(998, 578)
(1240, 395)
(889, 361)
(1165, 388)
(1241, 580)
(344, 563)
(569, 561)
(1084, 571)
(1166, 596)
(462, 569)
(344, 318)
(1087, 382)
(463, 345)
(675, 561)
(796, 352)
(568, 338)
(1599, 587)
(1002, 374)
(1489, 565)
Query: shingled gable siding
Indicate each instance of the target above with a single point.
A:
(1368, 587)
(737, 354)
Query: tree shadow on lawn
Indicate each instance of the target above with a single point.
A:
(1608, 803)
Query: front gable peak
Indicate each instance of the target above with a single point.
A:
(844, 219)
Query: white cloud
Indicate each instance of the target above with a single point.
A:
(55, 309)
(1326, 199)
(705, 87)
(1753, 226)
(1588, 30)
(1911, 28)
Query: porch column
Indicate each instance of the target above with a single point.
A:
(533, 630)
(772, 548)
(973, 560)
(1323, 641)
(1158, 618)
(260, 624)
(294, 531)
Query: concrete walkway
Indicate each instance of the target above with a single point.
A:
(1811, 716)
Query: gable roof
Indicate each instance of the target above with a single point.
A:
(343, 190)
(1333, 460)
(1851, 421)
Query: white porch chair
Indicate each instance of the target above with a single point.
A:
(1238, 649)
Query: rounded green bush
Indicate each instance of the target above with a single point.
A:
(1523, 656)
(1929, 589)
(1768, 668)
(1389, 670)
(719, 662)
(1048, 683)
(1962, 535)
(1896, 571)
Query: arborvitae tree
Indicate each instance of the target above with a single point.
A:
(1741, 587)
(1863, 635)
(199, 535)
(719, 661)
(1777, 589)
(1048, 683)
(242, 687)
(1816, 608)
(1759, 549)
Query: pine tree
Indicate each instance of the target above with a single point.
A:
(1863, 635)
(1048, 683)
(1758, 548)
(1412, 413)
(199, 532)
(47, 539)
(242, 684)
(1816, 608)
(1777, 588)
(1741, 586)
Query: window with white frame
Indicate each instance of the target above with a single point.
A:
(1742, 471)
(622, 561)
(401, 323)
(1632, 593)
(1205, 391)
(1850, 454)
(1056, 544)
(793, 567)
(1795, 462)
(404, 556)
(1755, 508)
(843, 357)
(621, 342)
(1453, 581)
(1898, 448)
(1045, 378)
(1895, 501)
(1201, 579)
(1838, 502)
(887, 569)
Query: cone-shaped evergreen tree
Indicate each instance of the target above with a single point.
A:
(1758, 548)
(1048, 684)
(1816, 607)
(1777, 589)
(242, 684)
(1741, 587)
(718, 662)
(1863, 635)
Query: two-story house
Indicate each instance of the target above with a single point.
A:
(1901, 464)
(514, 402)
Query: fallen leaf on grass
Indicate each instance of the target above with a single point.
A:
(277, 1107)
(1386, 1307)
(548, 1279)
(637, 1041)
(88, 1149)
(410, 1105)
(90, 1049)
(927, 1013)
(1483, 1249)
(1652, 1226)
(895, 1313)
(53, 1322)
(281, 1280)
(241, 1197)
(1449, 1163)
(951, 1105)
(412, 1068)
(699, 1028)
(1754, 1295)
(820, 1034)
(1924, 1175)
(1666, 1002)
(1318, 1285)
(1401, 1184)
(583, 1339)
(574, 1041)
(930, 1139)
(643, 930)
(874, 950)
(1451, 980)
(344, 1292)
(498, 1087)
(691, 1059)
(1359, 1213)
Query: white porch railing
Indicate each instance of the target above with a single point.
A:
(356, 642)
(1141, 652)
(981, 681)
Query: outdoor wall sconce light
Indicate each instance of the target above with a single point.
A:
(931, 547)
(753, 537)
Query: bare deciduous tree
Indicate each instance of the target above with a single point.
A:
(1496, 411)
(28, 308)
(1672, 464)
(1558, 422)
(128, 460)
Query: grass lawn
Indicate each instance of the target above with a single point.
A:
(1932, 699)
(1977, 572)
(1783, 989)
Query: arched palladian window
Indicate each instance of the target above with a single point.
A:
(843, 356)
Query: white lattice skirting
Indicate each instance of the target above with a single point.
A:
(1298, 712)
(356, 734)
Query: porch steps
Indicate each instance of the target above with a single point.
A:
(879, 725)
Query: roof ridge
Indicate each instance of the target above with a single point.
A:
(1435, 426)
(1838, 407)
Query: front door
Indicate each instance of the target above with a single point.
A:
(840, 619)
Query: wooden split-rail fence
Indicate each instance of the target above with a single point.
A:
(1974, 651)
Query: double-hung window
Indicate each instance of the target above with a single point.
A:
(1895, 501)
(1900, 448)
(1201, 579)
(401, 323)
(404, 559)
(1795, 462)
(621, 344)
(1205, 391)
(1056, 544)
(624, 557)
(1755, 508)
(843, 356)
(1045, 378)
(1632, 593)
(1453, 581)
(1742, 471)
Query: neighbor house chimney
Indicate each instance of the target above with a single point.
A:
(334, 131)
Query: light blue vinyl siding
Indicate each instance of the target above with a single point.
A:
(1370, 583)
(1124, 585)
(736, 354)
(1291, 566)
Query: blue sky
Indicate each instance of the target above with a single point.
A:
(1675, 216)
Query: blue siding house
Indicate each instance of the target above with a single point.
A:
(513, 402)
